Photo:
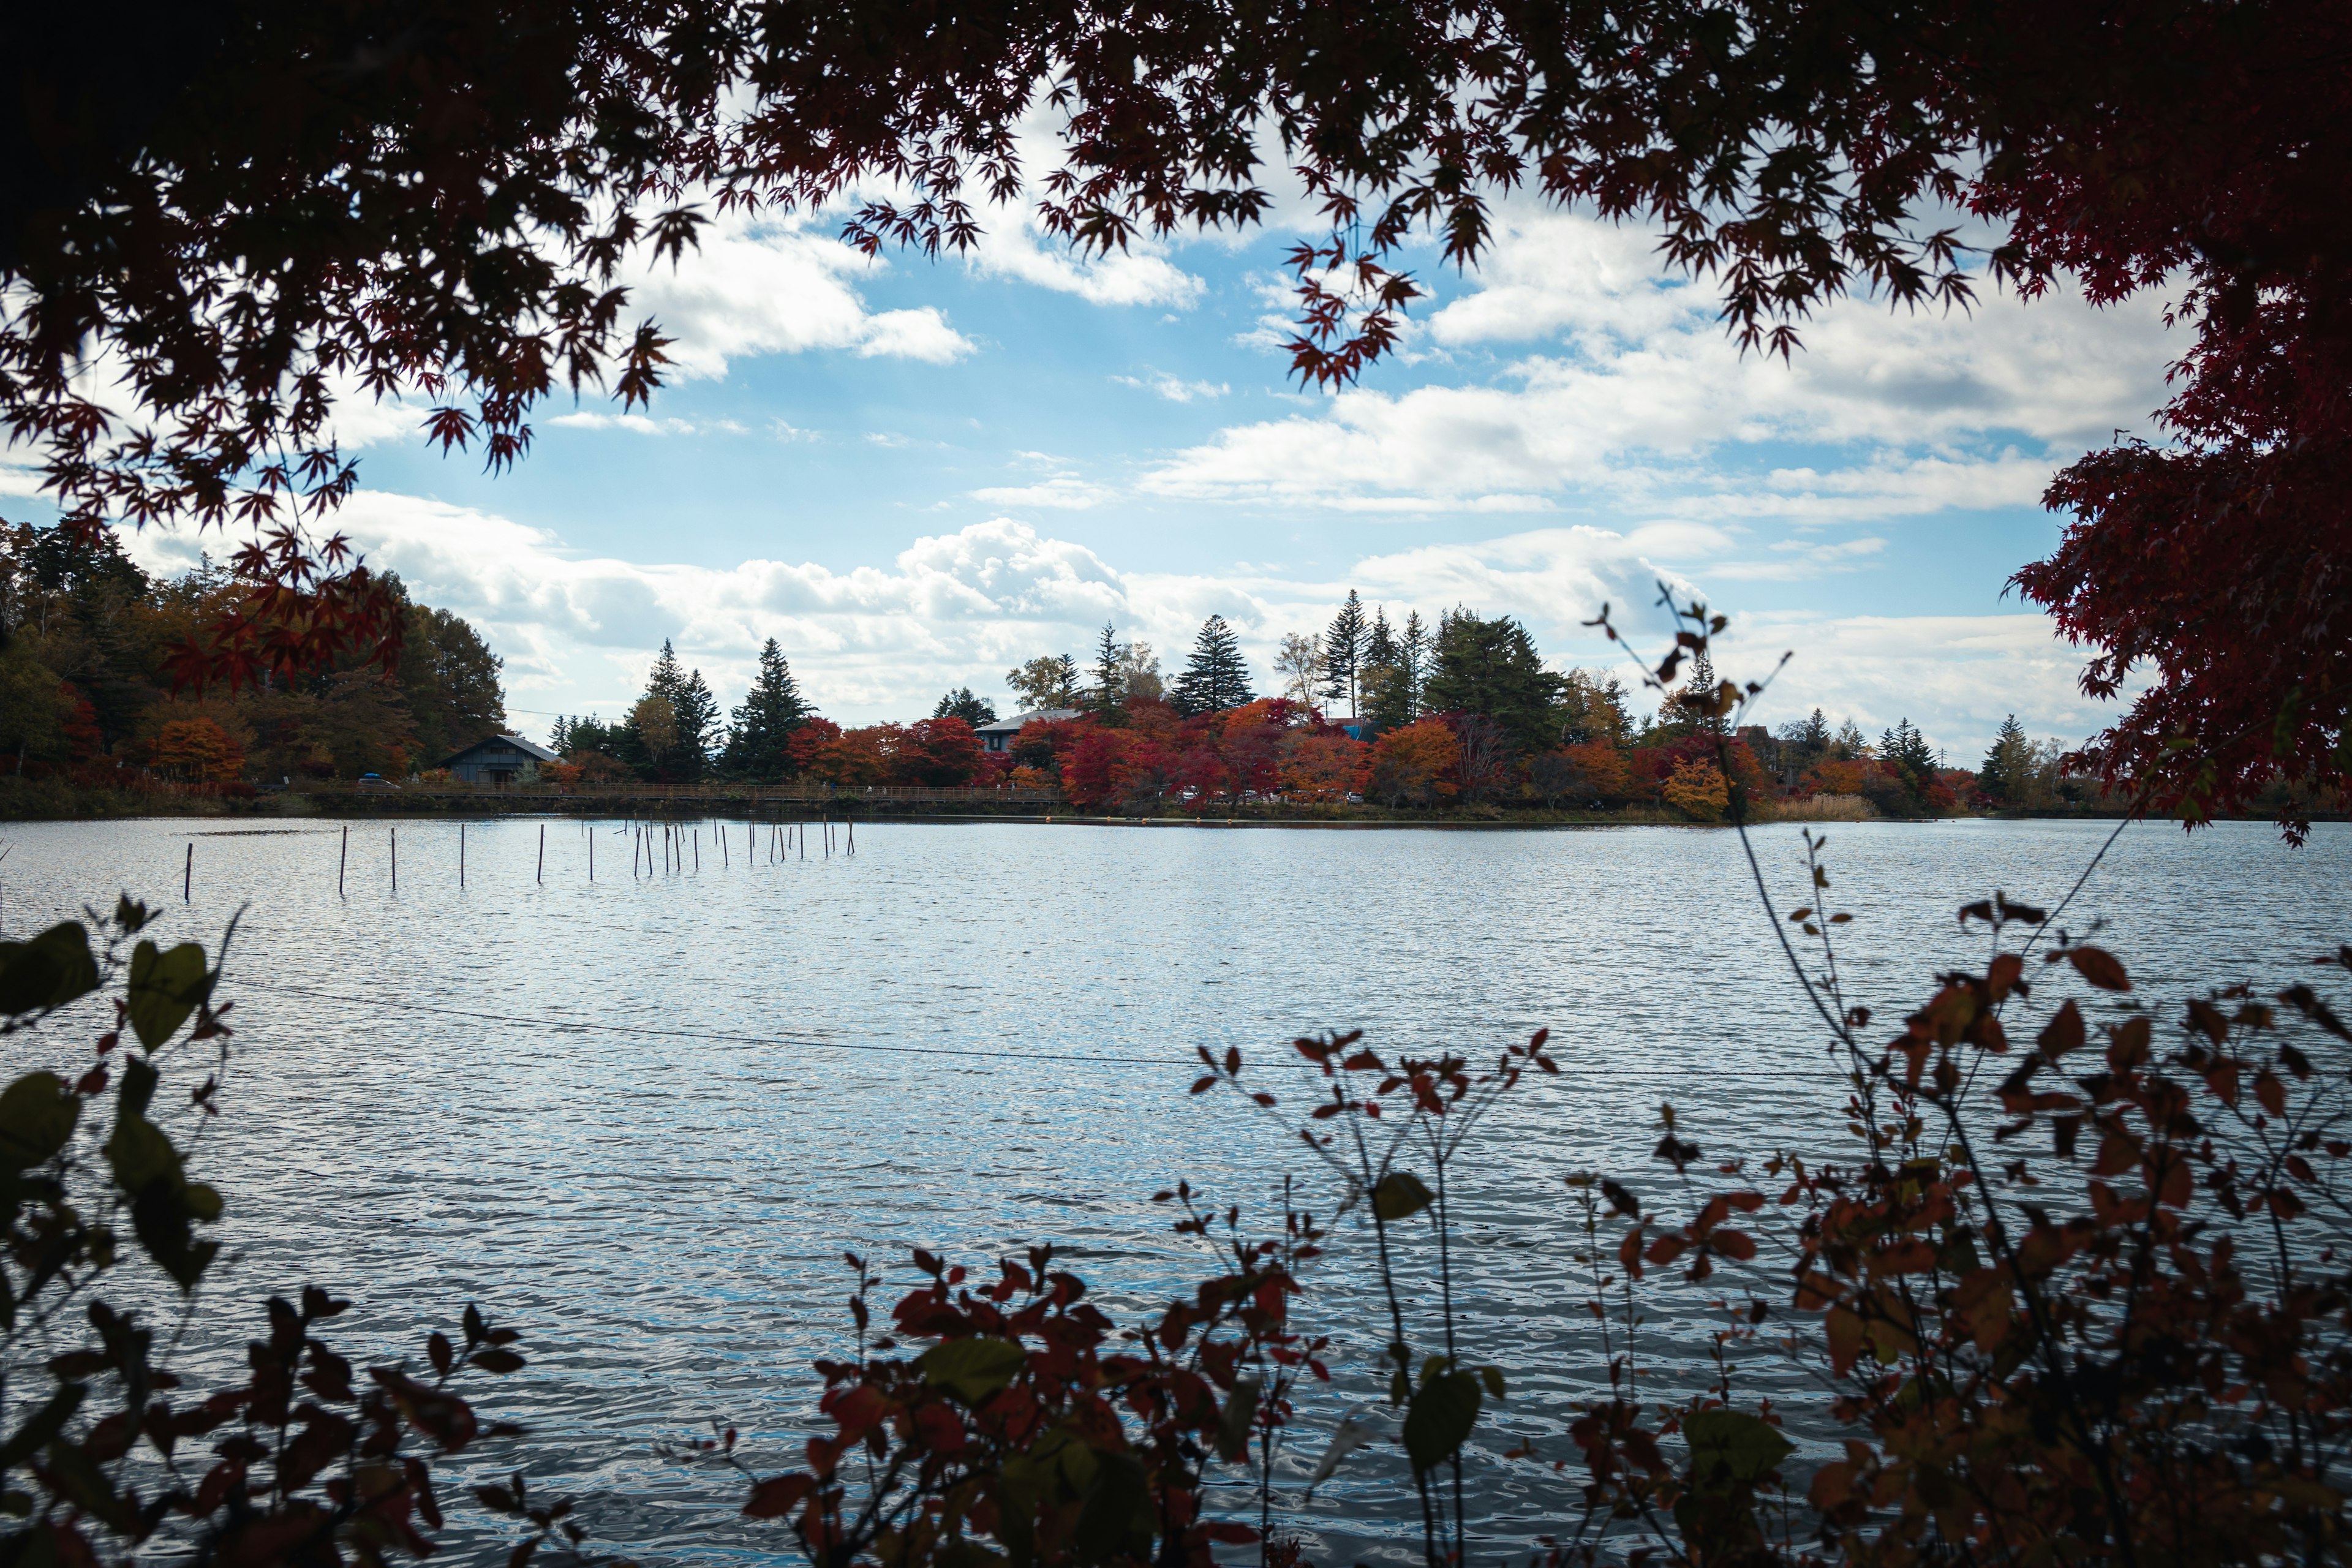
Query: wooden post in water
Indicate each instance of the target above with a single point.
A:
(697, 850)
(540, 875)
(395, 859)
(853, 836)
(342, 860)
(726, 856)
(592, 854)
(188, 874)
(461, 855)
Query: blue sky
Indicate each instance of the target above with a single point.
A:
(915, 475)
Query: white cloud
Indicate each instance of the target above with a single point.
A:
(1062, 492)
(579, 631)
(1122, 278)
(1175, 389)
(1635, 393)
(639, 423)
(1956, 677)
(764, 286)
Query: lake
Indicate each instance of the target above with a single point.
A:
(641, 1119)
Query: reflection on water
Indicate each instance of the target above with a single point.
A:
(641, 1118)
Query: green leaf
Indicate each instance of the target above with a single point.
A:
(1116, 1520)
(36, 1117)
(140, 1154)
(973, 1368)
(164, 989)
(1443, 1411)
(1728, 1449)
(1401, 1196)
(1492, 1377)
(50, 971)
(138, 1089)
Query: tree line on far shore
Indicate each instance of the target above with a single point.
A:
(92, 699)
(1463, 713)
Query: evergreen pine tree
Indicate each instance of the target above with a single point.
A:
(1383, 697)
(1216, 677)
(1343, 651)
(962, 704)
(1109, 687)
(1908, 750)
(2003, 773)
(697, 726)
(764, 725)
(1816, 732)
(1413, 658)
(1491, 667)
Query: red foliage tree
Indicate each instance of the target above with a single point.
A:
(942, 754)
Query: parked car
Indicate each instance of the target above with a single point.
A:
(375, 783)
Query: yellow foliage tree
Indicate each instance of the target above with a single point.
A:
(1698, 790)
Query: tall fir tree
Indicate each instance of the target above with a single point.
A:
(1382, 690)
(697, 726)
(1108, 688)
(1343, 651)
(1216, 677)
(1908, 750)
(1413, 657)
(761, 732)
(2003, 776)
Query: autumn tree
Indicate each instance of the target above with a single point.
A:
(1046, 682)
(1298, 667)
(1416, 765)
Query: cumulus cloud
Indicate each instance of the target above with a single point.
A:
(1956, 677)
(882, 641)
(1625, 386)
(758, 286)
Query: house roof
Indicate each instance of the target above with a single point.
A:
(1012, 725)
(528, 748)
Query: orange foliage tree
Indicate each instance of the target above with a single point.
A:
(1324, 767)
(1697, 789)
(198, 750)
(1415, 765)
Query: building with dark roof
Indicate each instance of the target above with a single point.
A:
(998, 737)
(500, 760)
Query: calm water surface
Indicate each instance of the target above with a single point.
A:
(976, 1037)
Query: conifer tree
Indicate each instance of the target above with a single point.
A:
(962, 704)
(758, 738)
(697, 726)
(2006, 763)
(1413, 657)
(1491, 667)
(1343, 651)
(1216, 677)
(1109, 687)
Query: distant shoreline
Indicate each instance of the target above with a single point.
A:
(857, 808)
